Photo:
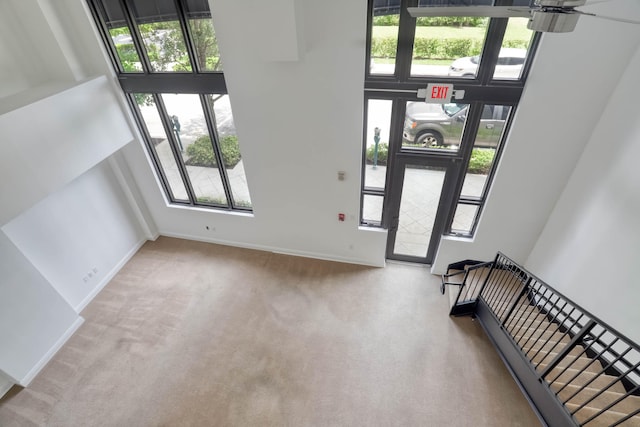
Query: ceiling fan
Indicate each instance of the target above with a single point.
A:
(547, 16)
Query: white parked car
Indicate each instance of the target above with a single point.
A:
(509, 66)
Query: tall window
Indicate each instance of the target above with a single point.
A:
(487, 62)
(166, 55)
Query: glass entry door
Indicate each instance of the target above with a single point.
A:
(418, 207)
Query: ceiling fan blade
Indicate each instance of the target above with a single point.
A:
(490, 11)
(609, 18)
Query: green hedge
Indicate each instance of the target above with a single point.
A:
(128, 57)
(451, 21)
(200, 153)
(481, 160)
(383, 153)
(439, 21)
(429, 48)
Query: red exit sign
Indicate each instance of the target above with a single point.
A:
(438, 93)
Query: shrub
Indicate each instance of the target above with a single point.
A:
(458, 48)
(201, 153)
(481, 160)
(128, 57)
(521, 44)
(386, 21)
(383, 153)
(385, 47)
(451, 21)
(230, 150)
(439, 21)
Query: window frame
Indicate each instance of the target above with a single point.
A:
(156, 83)
(483, 90)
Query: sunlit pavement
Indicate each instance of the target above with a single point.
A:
(205, 181)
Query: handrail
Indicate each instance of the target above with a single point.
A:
(589, 367)
(472, 281)
(462, 267)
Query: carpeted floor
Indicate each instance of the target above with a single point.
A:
(194, 334)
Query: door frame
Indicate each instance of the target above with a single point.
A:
(401, 87)
(451, 165)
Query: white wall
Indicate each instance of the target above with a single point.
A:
(34, 319)
(5, 383)
(570, 83)
(79, 236)
(299, 122)
(12, 81)
(590, 247)
(49, 141)
(30, 43)
(64, 209)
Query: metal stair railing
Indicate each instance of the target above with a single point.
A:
(574, 368)
(473, 274)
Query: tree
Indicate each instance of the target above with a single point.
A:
(206, 44)
(166, 47)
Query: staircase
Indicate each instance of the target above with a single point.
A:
(574, 368)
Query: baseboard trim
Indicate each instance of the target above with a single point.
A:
(110, 275)
(273, 249)
(5, 385)
(24, 382)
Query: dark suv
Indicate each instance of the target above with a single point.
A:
(441, 125)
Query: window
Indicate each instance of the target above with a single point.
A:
(488, 59)
(168, 63)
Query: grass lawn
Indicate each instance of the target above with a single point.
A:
(516, 30)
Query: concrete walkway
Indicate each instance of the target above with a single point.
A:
(420, 197)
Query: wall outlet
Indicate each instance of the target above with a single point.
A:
(90, 274)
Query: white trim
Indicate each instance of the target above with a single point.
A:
(110, 275)
(276, 250)
(5, 384)
(24, 382)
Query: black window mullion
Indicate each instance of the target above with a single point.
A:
(365, 114)
(188, 39)
(367, 68)
(491, 49)
(173, 83)
(182, 168)
(406, 35)
(152, 151)
(136, 37)
(98, 11)
(395, 144)
(466, 147)
(210, 118)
